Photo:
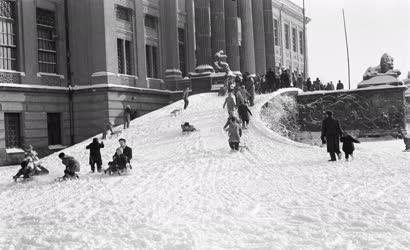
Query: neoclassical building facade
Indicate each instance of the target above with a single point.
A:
(67, 67)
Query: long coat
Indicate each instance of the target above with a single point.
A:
(95, 154)
(331, 131)
(243, 112)
(348, 144)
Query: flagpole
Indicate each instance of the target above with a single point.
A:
(347, 47)
(304, 42)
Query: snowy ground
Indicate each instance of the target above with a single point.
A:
(190, 192)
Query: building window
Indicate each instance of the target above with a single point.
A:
(152, 61)
(150, 22)
(181, 42)
(8, 39)
(54, 128)
(124, 56)
(287, 45)
(46, 37)
(301, 45)
(12, 130)
(276, 32)
(294, 40)
(123, 13)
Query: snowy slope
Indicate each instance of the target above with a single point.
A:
(190, 192)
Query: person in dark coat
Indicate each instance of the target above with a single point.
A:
(270, 80)
(127, 151)
(339, 85)
(95, 154)
(24, 171)
(119, 162)
(308, 84)
(71, 166)
(348, 144)
(244, 112)
(331, 133)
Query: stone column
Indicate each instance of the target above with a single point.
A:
(203, 32)
(231, 34)
(139, 45)
(217, 26)
(259, 36)
(190, 33)
(269, 35)
(170, 31)
(247, 49)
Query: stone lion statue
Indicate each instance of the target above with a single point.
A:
(220, 65)
(385, 68)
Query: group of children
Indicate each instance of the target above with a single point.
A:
(31, 165)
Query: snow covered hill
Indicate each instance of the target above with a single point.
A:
(191, 192)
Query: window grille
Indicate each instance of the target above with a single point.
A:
(301, 45)
(294, 40)
(8, 38)
(46, 38)
(123, 13)
(287, 45)
(12, 130)
(124, 51)
(275, 31)
(150, 22)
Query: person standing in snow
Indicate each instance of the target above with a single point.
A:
(95, 154)
(234, 132)
(229, 103)
(244, 112)
(127, 116)
(185, 97)
(71, 166)
(348, 144)
(331, 133)
(127, 151)
(339, 85)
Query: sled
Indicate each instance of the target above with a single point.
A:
(60, 179)
(243, 148)
(22, 179)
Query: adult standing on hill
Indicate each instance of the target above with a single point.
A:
(95, 154)
(339, 85)
(331, 133)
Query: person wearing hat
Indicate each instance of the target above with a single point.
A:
(331, 133)
(95, 154)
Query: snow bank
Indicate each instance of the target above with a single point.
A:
(190, 192)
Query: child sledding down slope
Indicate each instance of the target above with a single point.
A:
(71, 166)
(234, 132)
(348, 144)
(119, 162)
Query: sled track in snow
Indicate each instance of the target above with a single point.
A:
(190, 192)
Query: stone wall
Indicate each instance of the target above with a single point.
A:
(33, 106)
(374, 111)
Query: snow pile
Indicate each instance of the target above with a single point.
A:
(190, 192)
(281, 115)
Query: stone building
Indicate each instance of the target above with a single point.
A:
(67, 67)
